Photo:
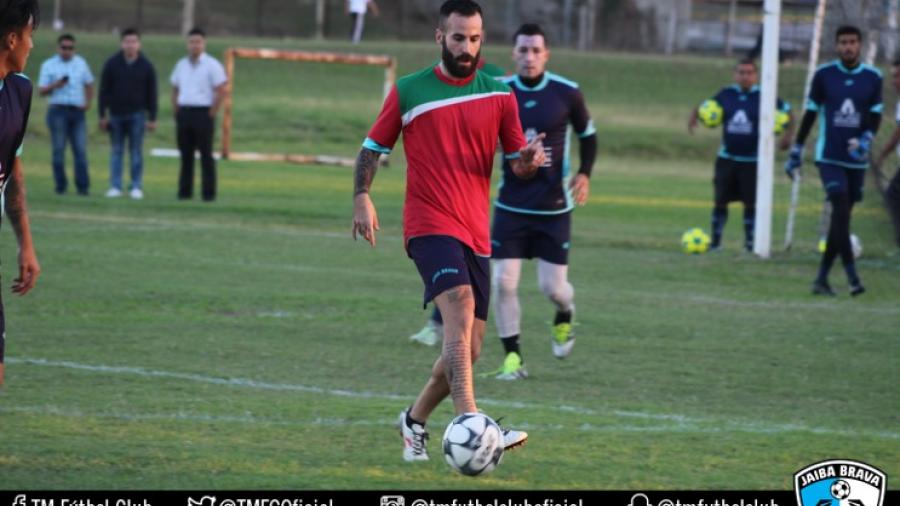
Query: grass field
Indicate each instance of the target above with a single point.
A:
(251, 344)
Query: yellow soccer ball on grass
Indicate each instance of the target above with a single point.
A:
(710, 113)
(694, 241)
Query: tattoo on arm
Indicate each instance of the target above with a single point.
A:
(15, 200)
(366, 166)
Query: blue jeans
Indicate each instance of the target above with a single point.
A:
(131, 126)
(67, 123)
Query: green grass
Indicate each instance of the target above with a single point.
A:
(251, 344)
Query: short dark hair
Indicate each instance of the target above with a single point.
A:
(467, 8)
(197, 31)
(130, 31)
(848, 30)
(746, 61)
(529, 30)
(14, 15)
(66, 36)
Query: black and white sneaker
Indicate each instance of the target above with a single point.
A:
(822, 288)
(414, 439)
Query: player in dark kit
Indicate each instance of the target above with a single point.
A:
(735, 169)
(18, 19)
(533, 218)
(846, 95)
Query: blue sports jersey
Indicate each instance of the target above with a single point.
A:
(844, 100)
(740, 122)
(549, 107)
(15, 105)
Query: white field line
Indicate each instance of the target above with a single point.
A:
(676, 422)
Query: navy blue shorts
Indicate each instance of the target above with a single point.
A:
(519, 235)
(444, 263)
(837, 179)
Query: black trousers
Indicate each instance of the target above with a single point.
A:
(195, 132)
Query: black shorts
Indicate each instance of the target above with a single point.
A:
(735, 181)
(444, 263)
(519, 235)
(837, 179)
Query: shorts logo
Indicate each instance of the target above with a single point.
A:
(840, 483)
(441, 272)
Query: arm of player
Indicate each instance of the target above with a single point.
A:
(795, 160)
(365, 219)
(29, 269)
(692, 121)
(530, 158)
(888, 148)
(581, 183)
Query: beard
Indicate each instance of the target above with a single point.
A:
(452, 63)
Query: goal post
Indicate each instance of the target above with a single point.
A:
(389, 63)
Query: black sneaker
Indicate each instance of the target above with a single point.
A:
(857, 289)
(822, 288)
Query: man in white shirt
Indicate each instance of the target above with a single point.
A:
(67, 80)
(198, 87)
(357, 11)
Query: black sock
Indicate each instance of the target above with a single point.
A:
(719, 218)
(562, 317)
(436, 316)
(838, 236)
(410, 421)
(511, 344)
(749, 226)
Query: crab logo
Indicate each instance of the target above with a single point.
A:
(840, 483)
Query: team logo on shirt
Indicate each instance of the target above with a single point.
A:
(840, 483)
(739, 124)
(847, 116)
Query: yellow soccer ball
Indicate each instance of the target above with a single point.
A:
(781, 121)
(710, 113)
(694, 241)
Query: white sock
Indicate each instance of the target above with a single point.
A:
(554, 283)
(506, 273)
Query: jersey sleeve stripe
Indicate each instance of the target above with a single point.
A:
(811, 106)
(20, 150)
(512, 156)
(374, 146)
(877, 108)
(589, 131)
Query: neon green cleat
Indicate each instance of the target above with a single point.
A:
(512, 368)
(562, 340)
(430, 334)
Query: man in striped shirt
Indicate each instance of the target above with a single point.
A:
(451, 116)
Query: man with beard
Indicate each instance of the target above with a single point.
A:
(18, 19)
(846, 95)
(451, 117)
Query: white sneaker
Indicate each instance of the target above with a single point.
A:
(414, 438)
(113, 193)
(136, 194)
(563, 338)
(430, 334)
(513, 438)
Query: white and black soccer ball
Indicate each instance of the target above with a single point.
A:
(473, 444)
(840, 489)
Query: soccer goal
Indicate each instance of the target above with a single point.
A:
(389, 64)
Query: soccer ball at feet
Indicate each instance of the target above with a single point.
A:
(473, 444)
(694, 241)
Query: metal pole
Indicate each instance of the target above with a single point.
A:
(187, 16)
(320, 19)
(57, 12)
(891, 42)
(729, 34)
(769, 90)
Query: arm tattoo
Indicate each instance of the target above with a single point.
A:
(15, 201)
(366, 166)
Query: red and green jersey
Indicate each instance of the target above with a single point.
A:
(450, 130)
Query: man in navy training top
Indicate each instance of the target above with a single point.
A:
(128, 93)
(532, 218)
(18, 19)
(735, 169)
(846, 96)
